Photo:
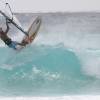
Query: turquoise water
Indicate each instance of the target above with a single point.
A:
(62, 60)
(41, 70)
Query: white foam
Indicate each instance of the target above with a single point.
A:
(46, 74)
(90, 63)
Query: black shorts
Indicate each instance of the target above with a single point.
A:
(8, 41)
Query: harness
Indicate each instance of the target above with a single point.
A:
(8, 41)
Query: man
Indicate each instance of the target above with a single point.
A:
(7, 40)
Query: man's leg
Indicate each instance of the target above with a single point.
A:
(22, 44)
(25, 41)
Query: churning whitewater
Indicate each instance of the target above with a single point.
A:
(64, 59)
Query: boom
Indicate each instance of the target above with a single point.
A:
(20, 28)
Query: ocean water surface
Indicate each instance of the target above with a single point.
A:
(63, 60)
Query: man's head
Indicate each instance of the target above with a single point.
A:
(1, 29)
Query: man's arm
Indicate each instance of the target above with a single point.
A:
(7, 27)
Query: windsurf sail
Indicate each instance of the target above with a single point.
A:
(7, 15)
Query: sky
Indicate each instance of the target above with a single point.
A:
(54, 5)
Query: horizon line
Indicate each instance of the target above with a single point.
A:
(58, 12)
